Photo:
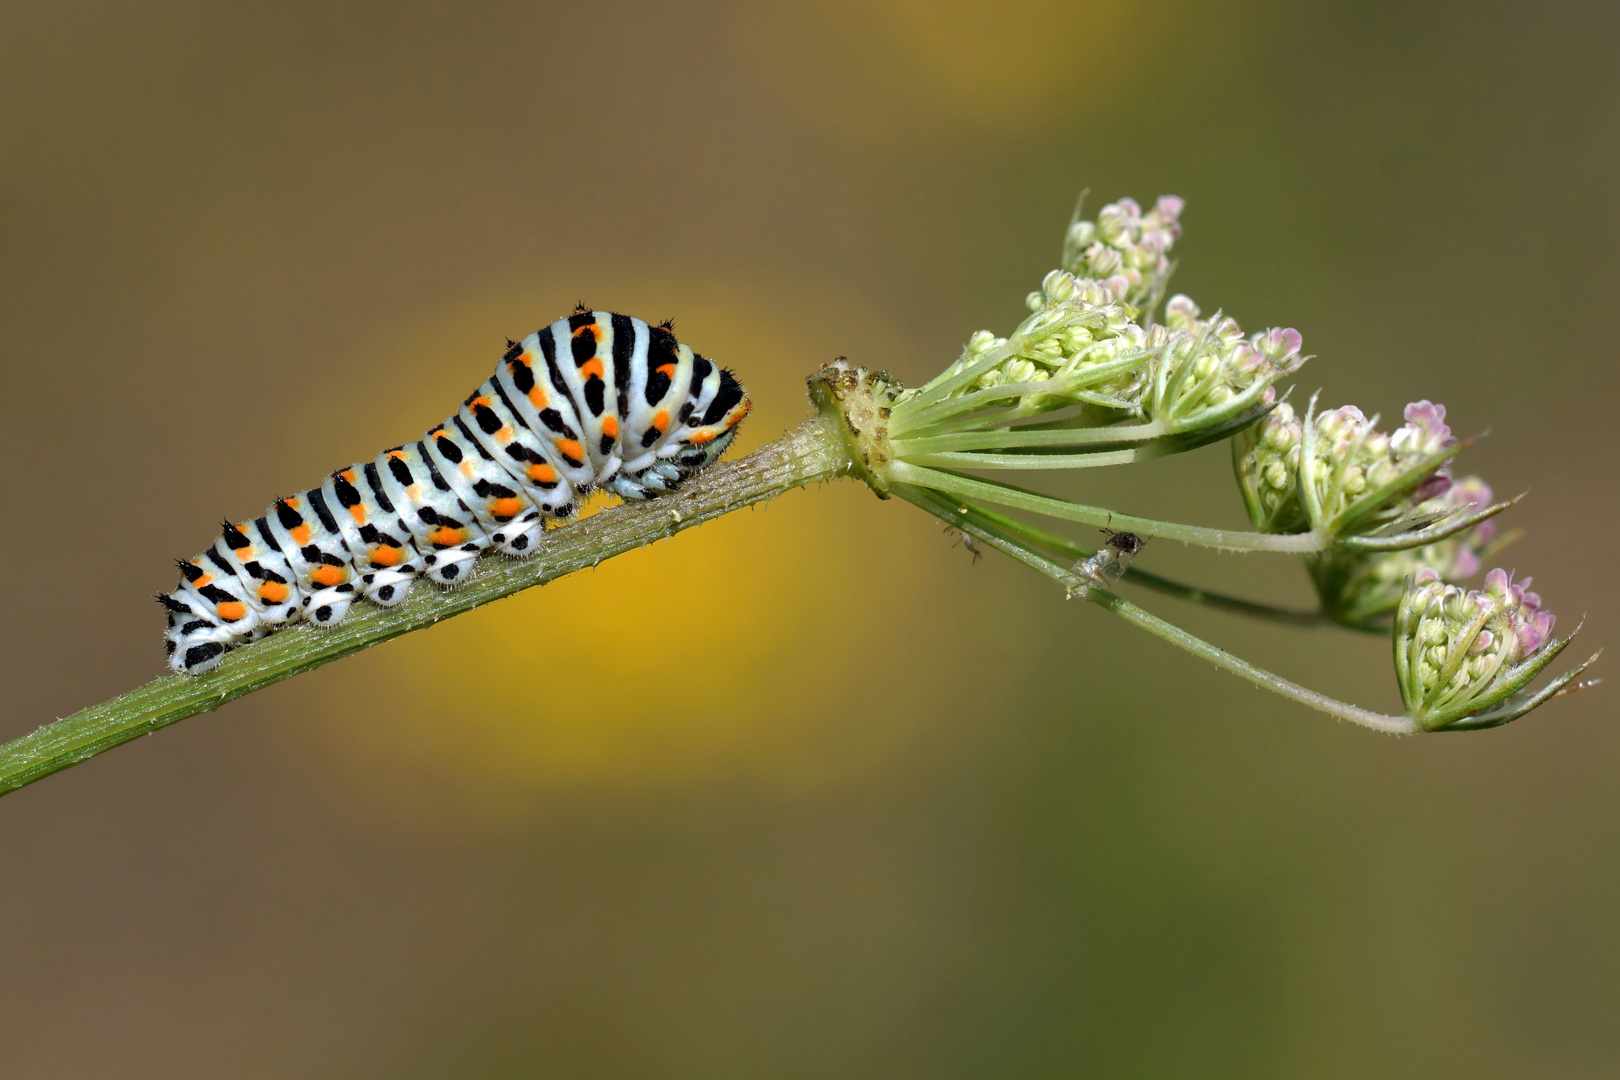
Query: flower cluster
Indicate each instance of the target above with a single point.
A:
(1266, 459)
(1382, 526)
(1462, 658)
(1360, 588)
(1353, 462)
(1207, 371)
(1126, 248)
(1081, 342)
(1336, 473)
(1090, 339)
(1387, 502)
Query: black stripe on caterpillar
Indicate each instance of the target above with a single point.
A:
(593, 400)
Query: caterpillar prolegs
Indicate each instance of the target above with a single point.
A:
(593, 400)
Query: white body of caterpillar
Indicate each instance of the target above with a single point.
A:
(593, 400)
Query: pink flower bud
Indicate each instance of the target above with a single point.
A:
(1434, 487)
(1535, 632)
(1279, 343)
(1425, 431)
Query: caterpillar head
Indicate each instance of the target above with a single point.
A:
(719, 423)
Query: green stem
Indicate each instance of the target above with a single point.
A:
(812, 453)
(1393, 725)
(1096, 459)
(1008, 437)
(967, 487)
(946, 510)
(1232, 605)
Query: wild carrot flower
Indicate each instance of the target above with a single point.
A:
(1207, 372)
(1127, 244)
(1463, 658)
(1362, 588)
(1266, 459)
(1091, 379)
(1366, 490)
(1091, 342)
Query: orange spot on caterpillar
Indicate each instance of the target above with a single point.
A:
(477, 401)
(291, 502)
(243, 553)
(506, 508)
(396, 455)
(570, 449)
(358, 512)
(447, 537)
(537, 398)
(591, 369)
(661, 420)
(383, 555)
(666, 370)
(414, 492)
(272, 592)
(610, 426)
(700, 437)
(204, 580)
(504, 435)
(347, 474)
(300, 534)
(593, 329)
(231, 610)
(328, 576)
(467, 468)
(542, 474)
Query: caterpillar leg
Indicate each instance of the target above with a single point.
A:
(450, 566)
(630, 490)
(195, 645)
(651, 480)
(519, 538)
(328, 606)
(387, 587)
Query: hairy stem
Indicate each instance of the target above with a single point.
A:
(811, 453)
(1234, 605)
(1006, 495)
(947, 510)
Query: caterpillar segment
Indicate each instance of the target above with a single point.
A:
(594, 400)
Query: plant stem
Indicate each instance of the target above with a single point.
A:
(1232, 605)
(946, 510)
(968, 487)
(1007, 437)
(812, 453)
(976, 459)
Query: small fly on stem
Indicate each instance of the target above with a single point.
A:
(965, 540)
(1106, 567)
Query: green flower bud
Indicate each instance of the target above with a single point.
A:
(1362, 588)
(1464, 659)
(1265, 457)
(1208, 372)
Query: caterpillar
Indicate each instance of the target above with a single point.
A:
(595, 400)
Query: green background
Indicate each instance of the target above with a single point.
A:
(805, 793)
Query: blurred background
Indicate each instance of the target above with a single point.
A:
(894, 813)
